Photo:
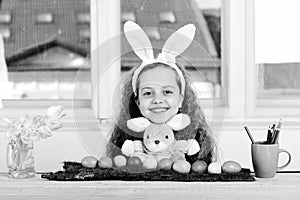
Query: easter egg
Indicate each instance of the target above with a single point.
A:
(182, 166)
(150, 163)
(120, 161)
(199, 166)
(89, 161)
(214, 168)
(134, 161)
(231, 167)
(105, 162)
(164, 163)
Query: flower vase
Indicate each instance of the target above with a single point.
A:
(20, 160)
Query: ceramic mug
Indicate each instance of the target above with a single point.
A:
(265, 159)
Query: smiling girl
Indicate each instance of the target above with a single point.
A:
(159, 98)
(159, 89)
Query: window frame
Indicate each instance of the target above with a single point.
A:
(255, 105)
(110, 9)
(239, 72)
(237, 39)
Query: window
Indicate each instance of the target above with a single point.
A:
(84, 18)
(47, 51)
(44, 18)
(6, 33)
(279, 80)
(5, 17)
(84, 34)
(272, 59)
(276, 40)
(167, 17)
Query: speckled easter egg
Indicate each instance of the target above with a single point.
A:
(164, 163)
(199, 166)
(182, 166)
(231, 167)
(89, 161)
(214, 168)
(105, 162)
(120, 161)
(134, 161)
(150, 163)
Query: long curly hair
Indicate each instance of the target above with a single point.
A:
(198, 129)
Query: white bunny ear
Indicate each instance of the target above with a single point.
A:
(179, 41)
(138, 40)
(138, 124)
(179, 121)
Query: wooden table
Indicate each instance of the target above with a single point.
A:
(282, 186)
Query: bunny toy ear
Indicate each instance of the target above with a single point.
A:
(179, 122)
(178, 42)
(139, 41)
(138, 124)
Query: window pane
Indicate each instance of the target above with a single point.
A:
(276, 49)
(47, 48)
(279, 80)
(161, 18)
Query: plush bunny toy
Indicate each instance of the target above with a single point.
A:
(158, 141)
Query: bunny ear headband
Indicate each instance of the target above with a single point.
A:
(175, 45)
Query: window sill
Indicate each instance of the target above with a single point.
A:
(79, 118)
(261, 118)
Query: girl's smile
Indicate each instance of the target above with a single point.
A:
(158, 109)
(159, 95)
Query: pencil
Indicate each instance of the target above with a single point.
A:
(277, 131)
(272, 132)
(249, 134)
(269, 137)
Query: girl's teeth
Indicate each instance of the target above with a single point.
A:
(159, 110)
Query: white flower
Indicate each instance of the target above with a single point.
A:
(28, 128)
(56, 112)
(5, 122)
(44, 131)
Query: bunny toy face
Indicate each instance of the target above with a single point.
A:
(158, 138)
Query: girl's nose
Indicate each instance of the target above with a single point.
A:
(157, 99)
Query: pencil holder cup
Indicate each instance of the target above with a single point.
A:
(265, 159)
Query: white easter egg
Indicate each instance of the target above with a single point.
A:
(182, 166)
(214, 168)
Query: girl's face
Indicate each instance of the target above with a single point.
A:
(159, 95)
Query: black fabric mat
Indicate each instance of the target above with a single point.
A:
(74, 171)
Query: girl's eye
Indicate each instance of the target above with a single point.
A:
(148, 93)
(167, 92)
(167, 137)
